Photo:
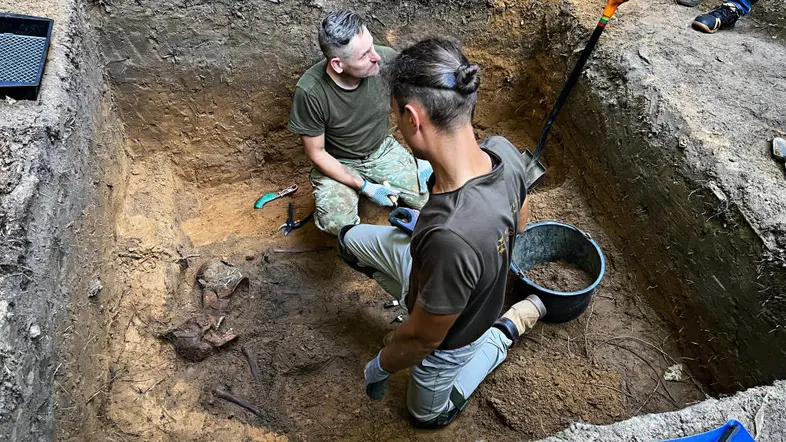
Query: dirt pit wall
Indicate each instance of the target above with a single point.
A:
(210, 83)
(683, 175)
(53, 187)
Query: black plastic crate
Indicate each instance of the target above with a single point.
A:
(24, 43)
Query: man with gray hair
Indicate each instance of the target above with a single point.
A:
(340, 110)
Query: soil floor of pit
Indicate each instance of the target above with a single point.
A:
(312, 323)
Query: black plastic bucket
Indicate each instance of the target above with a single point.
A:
(549, 241)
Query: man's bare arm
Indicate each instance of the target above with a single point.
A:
(328, 164)
(415, 339)
(524, 214)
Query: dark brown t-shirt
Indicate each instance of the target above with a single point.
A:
(462, 243)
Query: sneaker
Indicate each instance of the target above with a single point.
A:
(724, 16)
(688, 3)
(521, 317)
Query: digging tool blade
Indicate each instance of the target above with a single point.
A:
(533, 170)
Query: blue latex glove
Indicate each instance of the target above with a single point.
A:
(424, 173)
(405, 219)
(376, 379)
(379, 194)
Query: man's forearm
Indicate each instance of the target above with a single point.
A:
(403, 352)
(331, 167)
(524, 214)
(409, 346)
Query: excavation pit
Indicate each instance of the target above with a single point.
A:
(189, 131)
(310, 321)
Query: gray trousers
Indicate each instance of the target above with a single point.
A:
(440, 384)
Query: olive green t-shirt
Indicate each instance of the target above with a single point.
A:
(355, 122)
(462, 243)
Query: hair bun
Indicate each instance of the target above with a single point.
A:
(467, 78)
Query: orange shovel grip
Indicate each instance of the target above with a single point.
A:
(611, 8)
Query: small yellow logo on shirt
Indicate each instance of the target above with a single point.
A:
(501, 244)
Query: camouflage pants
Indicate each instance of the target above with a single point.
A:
(337, 204)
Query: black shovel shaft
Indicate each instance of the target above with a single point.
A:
(563, 96)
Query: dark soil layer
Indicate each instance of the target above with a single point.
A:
(560, 276)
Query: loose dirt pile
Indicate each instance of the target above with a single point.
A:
(560, 276)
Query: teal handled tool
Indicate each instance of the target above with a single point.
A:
(268, 197)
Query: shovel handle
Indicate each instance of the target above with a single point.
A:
(608, 12)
